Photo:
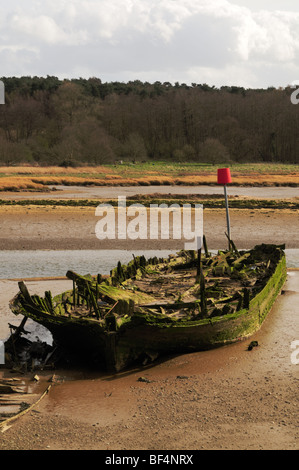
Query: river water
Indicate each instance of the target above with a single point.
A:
(47, 263)
(111, 192)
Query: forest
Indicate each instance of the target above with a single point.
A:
(73, 122)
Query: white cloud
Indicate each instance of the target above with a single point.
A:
(229, 75)
(127, 38)
(42, 28)
(268, 35)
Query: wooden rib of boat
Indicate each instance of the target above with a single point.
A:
(191, 301)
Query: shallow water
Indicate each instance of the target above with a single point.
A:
(112, 192)
(47, 263)
(17, 264)
(109, 192)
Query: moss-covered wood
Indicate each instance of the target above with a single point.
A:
(149, 307)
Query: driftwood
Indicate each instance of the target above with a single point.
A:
(6, 388)
(4, 424)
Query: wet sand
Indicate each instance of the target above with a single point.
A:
(73, 228)
(227, 398)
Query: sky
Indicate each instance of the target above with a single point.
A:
(248, 43)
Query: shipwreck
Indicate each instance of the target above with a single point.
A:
(191, 301)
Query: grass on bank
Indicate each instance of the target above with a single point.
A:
(36, 178)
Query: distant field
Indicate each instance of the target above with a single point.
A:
(154, 173)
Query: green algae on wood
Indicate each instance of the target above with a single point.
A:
(161, 306)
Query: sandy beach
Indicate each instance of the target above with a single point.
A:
(228, 398)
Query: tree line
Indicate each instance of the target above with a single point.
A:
(48, 121)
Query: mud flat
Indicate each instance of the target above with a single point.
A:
(71, 228)
(228, 398)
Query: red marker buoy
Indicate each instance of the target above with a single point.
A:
(224, 177)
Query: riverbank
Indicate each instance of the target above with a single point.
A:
(227, 398)
(139, 174)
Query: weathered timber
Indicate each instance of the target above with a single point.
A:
(207, 254)
(163, 306)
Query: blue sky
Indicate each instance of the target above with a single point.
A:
(250, 43)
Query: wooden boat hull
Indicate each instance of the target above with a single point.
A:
(142, 337)
(149, 339)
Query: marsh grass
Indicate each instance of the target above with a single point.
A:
(145, 174)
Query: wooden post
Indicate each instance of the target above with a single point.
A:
(205, 246)
(97, 290)
(92, 301)
(74, 294)
(203, 301)
(198, 263)
(224, 177)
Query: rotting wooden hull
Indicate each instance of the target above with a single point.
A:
(143, 337)
(150, 339)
